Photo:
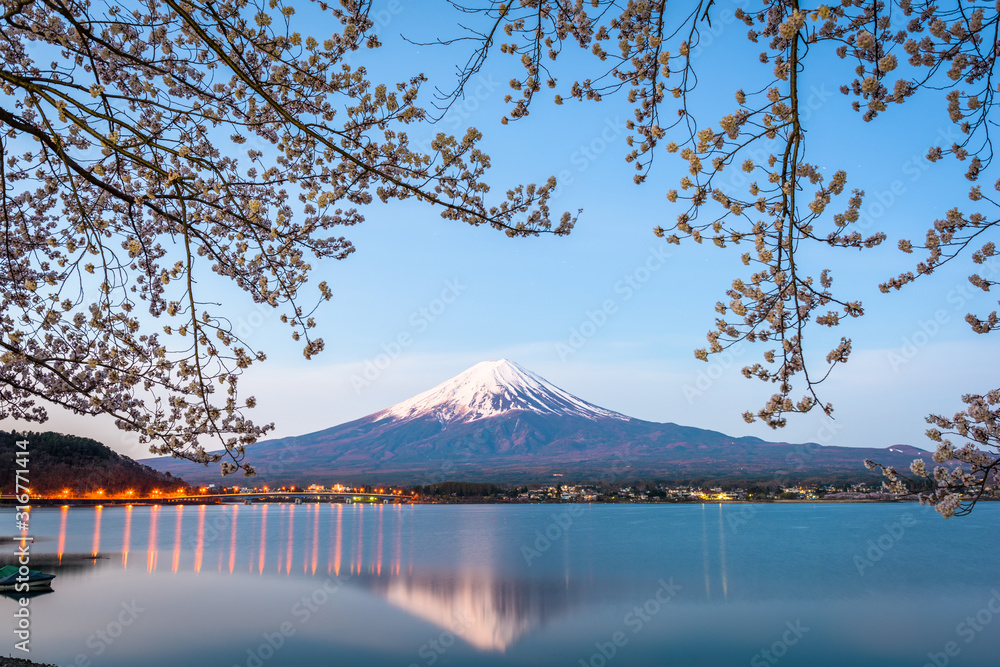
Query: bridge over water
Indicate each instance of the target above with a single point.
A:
(317, 496)
(248, 496)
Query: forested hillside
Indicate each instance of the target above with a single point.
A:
(57, 462)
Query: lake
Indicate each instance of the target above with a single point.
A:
(271, 585)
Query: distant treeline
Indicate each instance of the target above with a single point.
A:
(460, 489)
(57, 462)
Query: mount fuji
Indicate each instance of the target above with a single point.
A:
(500, 422)
(491, 389)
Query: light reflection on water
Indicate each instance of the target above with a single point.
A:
(501, 586)
(722, 553)
(126, 537)
(263, 539)
(62, 531)
(98, 512)
(232, 540)
(340, 540)
(154, 515)
(200, 548)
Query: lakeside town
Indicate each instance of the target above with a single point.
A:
(475, 492)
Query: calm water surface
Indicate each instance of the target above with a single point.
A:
(575, 585)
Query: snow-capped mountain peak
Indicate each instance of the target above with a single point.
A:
(491, 388)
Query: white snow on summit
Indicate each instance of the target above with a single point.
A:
(491, 388)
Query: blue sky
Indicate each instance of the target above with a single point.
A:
(611, 313)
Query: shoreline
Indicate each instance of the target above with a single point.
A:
(707, 501)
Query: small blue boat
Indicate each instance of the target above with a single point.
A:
(37, 581)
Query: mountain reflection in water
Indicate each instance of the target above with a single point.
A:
(488, 609)
(488, 612)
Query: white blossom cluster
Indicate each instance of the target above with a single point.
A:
(745, 179)
(145, 145)
(956, 488)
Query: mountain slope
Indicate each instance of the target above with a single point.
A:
(499, 422)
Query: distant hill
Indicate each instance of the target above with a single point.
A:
(498, 422)
(57, 462)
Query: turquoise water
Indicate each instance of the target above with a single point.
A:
(372, 585)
